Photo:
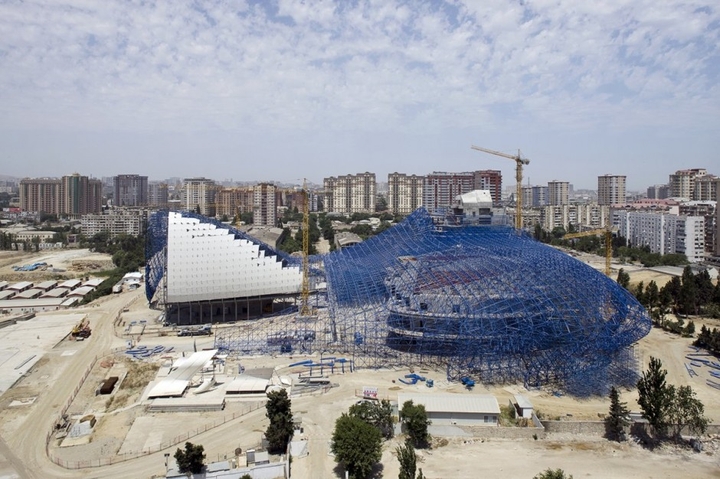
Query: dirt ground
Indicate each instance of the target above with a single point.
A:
(75, 263)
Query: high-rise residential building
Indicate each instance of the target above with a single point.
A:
(490, 180)
(71, 195)
(558, 193)
(130, 190)
(264, 209)
(80, 195)
(350, 193)
(581, 216)
(158, 194)
(40, 195)
(199, 193)
(440, 189)
(682, 182)
(535, 196)
(658, 192)
(663, 233)
(611, 189)
(405, 193)
(705, 188)
(233, 202)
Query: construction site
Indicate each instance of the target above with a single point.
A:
(485, 302)
(120, 402)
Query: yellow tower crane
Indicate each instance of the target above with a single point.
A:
(608, 232)
(305, 309)
(519, 162)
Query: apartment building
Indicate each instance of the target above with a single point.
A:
(405, 193)
(116, 222)
(490, 180)
(658, 192)
(663, 233)
(234, 201)
(558, 193)
(535, 196)
(264, 207)
(581, 216)
(611, 189)
(350, 194)
(130, 190)
(71, 195)
(441, 188)
(705, 188)
(158, 195)
(200, 193)
(682, 182)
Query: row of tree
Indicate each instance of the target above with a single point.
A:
(708, 339)
(689, 294)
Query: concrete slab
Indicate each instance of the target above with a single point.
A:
(25, 343)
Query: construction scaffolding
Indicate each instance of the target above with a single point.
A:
(480, 301)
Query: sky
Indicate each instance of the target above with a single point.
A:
(290, 89)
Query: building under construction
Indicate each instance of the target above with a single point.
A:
(483, 301)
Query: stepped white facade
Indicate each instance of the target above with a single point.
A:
(205, 262)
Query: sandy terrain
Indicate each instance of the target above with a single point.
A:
(75, 263)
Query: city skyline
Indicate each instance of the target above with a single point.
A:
(283, 90)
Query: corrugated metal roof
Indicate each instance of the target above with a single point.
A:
(467, 403)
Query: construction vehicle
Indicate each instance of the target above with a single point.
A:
(81, 330)
(519, 162)
(608, 232)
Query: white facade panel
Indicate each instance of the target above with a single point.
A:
(205, 263)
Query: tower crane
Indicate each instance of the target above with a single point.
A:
(305, 309)
(519, 162)
(608, 232)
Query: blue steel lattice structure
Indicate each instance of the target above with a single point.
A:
(483, 301)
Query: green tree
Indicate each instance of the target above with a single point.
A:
(687, 410)
(357, 445)
(617, 419)
(655, 396)
(553, 474)
(623, 279)
(414, 418)
(192, 459)
(687, 299)
(408, 460)
(375, 413)
(280, 429)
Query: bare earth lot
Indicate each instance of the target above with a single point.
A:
(24, 426)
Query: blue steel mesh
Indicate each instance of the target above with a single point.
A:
(488, 302)
(482, 301)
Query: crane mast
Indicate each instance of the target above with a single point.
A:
(519, 162)
(305, 309)
(608, 233)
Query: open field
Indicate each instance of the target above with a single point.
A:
(123, 424)
(74, 263)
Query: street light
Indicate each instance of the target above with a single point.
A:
(167, 455)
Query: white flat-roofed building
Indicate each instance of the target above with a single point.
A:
(205, 262)
(28, 294)
(20, 287)
(119, 221)
(6, 294)
(524, 406)
(37, 304)
(70, 284)
(80, 292)
(93, 282)
(456, 409)
(46, 285)
(56, 293)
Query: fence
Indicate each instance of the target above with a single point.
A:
(106, 461)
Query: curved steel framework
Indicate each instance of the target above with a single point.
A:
(482, 301)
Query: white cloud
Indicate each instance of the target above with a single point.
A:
(371, 66)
